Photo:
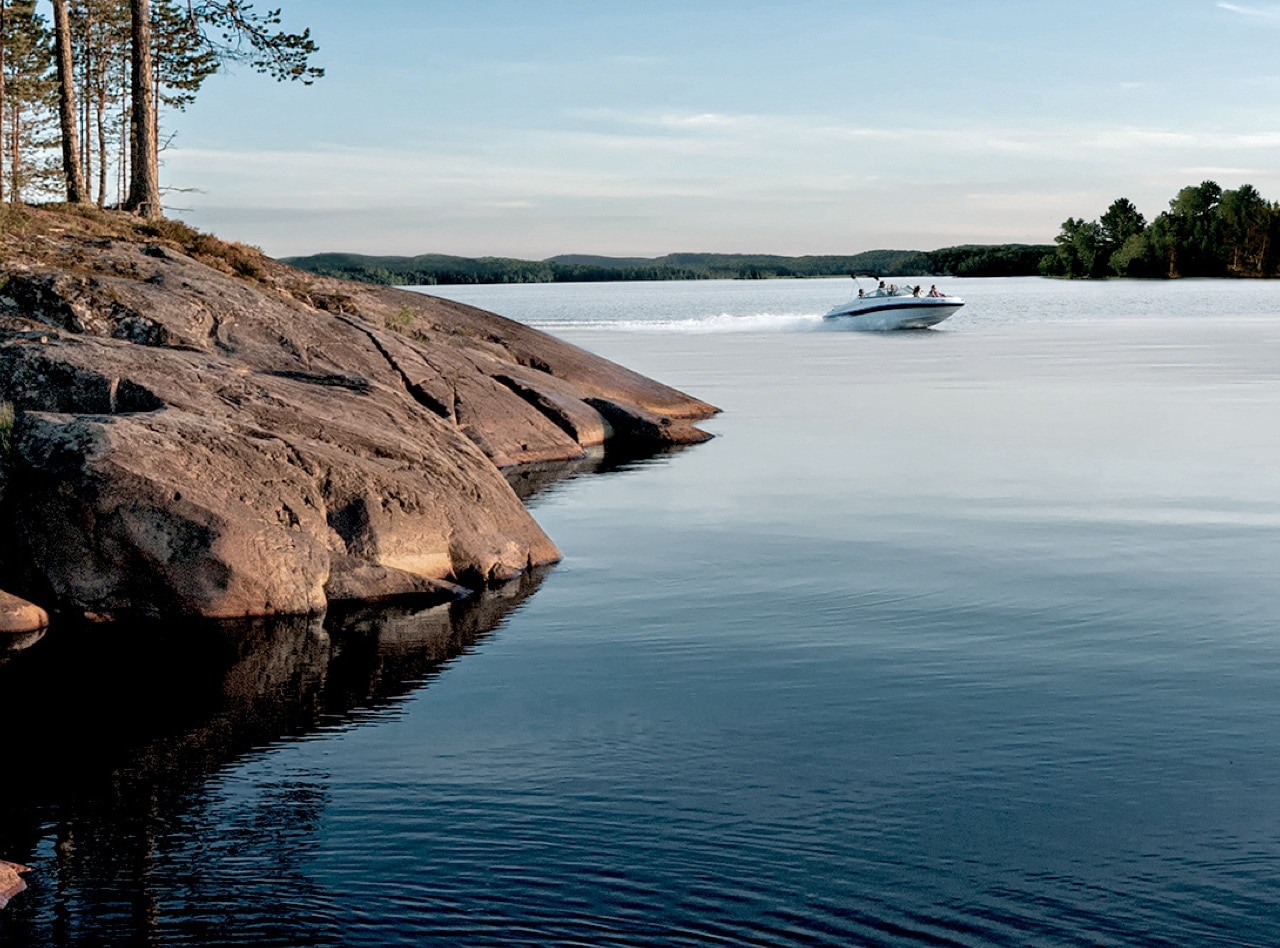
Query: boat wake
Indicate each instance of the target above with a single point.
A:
(697, 325)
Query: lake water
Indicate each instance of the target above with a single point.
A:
(959, 637)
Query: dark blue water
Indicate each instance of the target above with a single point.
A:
(962, 637)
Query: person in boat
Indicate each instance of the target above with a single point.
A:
(880, 290)
(915, 290)
(861, 295)
(933, 290)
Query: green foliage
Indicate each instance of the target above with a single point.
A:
(983, 261)
(1207, 232)
(400, 320)
(100, 54)
(14, 219)
(233, 30)
(182, 62)
(6, 433)
(31, 166)
(243, 265)
(1121, 221)
(438, 269)
(1081, 251)
(6, 444)
(1249, 231)
(190, 41)
(1137, 257)
(230, 257)
(100, 42)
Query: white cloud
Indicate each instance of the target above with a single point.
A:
(734, 131)
(1270, 13)
(694, 121)
(1210, 171)
(660, 180)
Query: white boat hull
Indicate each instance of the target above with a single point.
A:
(894, 312)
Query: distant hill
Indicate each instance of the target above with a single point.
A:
(439, 269)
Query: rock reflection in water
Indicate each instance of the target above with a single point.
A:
(111, 734)
(11, 644)
(533, 482)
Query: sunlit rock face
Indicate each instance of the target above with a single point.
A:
(217, 439)
(11, 882)
(19, 618)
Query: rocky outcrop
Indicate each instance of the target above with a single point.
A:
(204, 431)
(19, 617)
(11, 881)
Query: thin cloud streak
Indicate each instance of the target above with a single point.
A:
(1269, 14)
(620, 173)
(809, 183)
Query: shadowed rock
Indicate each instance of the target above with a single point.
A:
(148, 712)
(205, 431)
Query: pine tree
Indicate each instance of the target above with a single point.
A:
(182, 60)
(4, 28)
(100, 43)
(236, 32)
(72, 167)
(144, 157)
(124, 61)
(30, 103)
(228, 30)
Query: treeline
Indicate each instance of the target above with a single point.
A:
(81, 97)
(441, 270)
(1206, 232)
(444, 270)
(972, 260)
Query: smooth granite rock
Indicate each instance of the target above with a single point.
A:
(11, 881)
(206, 431)
(19, 617)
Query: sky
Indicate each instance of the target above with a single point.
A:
(531, 128)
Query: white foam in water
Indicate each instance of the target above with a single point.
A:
(702, 325)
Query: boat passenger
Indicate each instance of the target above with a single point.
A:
(933, 290)
(880, 290)
(915, 290)
(861, 295)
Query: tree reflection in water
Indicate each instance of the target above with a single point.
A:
(111, 734)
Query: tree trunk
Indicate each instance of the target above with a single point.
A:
(144, 177)
(86, 104)
(100, 114)
(125, 139)
(15, 155)
(3, 4)
(71, 165)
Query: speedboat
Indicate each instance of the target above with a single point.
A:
(894, 308)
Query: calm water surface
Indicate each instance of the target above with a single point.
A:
(957, 637)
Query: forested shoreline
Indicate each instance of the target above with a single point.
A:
(1206, 232)
(442, 270)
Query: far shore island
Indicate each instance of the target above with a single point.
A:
(969, 260)
(1206, 232)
